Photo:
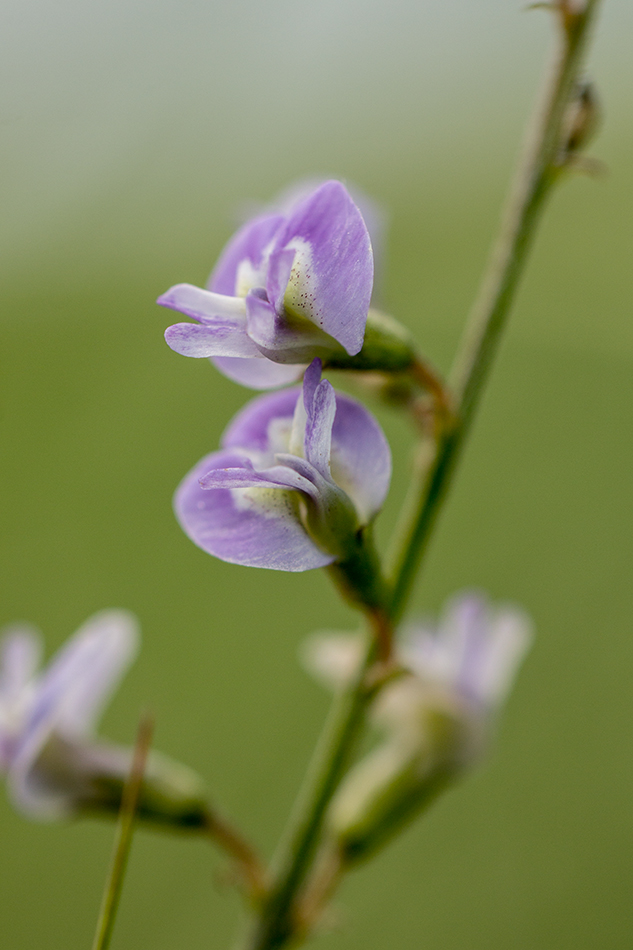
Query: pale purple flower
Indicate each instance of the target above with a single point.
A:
(299, 473)
(288, 287)
(468, 657)
(473, 651)
(61, 704)
(436, 721)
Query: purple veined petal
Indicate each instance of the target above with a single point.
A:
(223, 319)
(249, 244)
(224, 340)
(70, 697)
(252, 527)
(205, 306)
(279, 271)
(360, 458)
(259, 373)
(20, 654)
(372, 212)
(332, 275)
(277, 476)
(320, 412)
(311, 379)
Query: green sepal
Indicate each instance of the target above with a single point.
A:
(394, 783)
(388, 347)
(89, 778)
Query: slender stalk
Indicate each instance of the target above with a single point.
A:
(123, 841)
(544, 159)
(247, 863)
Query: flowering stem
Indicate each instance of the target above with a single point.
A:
(544, 160)
(280, 921)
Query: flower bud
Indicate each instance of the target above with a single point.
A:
(581, 120)
(88, 778)
(403, 775)
(436, 718)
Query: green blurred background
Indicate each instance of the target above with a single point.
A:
(130, 133)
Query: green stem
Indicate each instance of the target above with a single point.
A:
(123, 842)
(275, 926)
(539, 169)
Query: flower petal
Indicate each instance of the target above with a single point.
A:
(360, 458)
(278, 476)
(250, 427)
(320, 411)
(20, 652)
(69, 699)
(280, 340)
(332, 275)
(259, 373)
(255, 527)
(205, 306)
(249, 245)
(191, 339)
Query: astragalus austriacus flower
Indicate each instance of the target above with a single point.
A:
(436, 717)
(55, 766)
(300, 472)
(288, 287)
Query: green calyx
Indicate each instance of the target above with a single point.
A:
(387, 348)
(395, 782)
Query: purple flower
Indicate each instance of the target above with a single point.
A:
(60, 705)
(473, 652)
(436, 721)
(299, 473)
(288, 287)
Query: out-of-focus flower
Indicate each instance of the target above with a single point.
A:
(288, 287)
(299, 473)
(55, 766)
(436, 717)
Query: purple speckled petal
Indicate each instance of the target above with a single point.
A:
(222, 339)
(332, 276)
(259, 373)
(277, 339)
(252, 527)
(360, 458)
(248, 244)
